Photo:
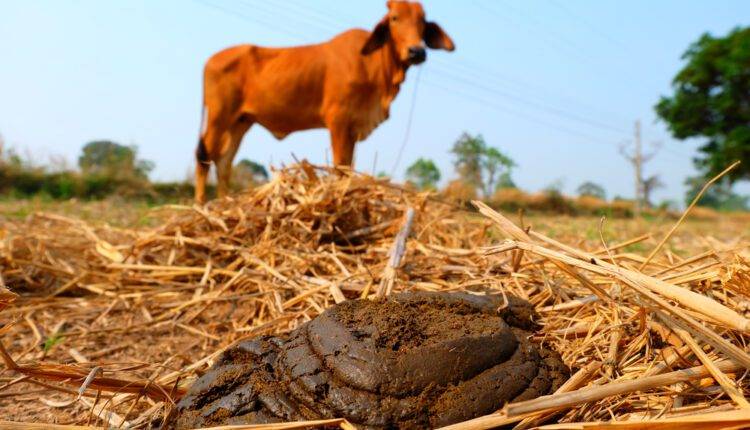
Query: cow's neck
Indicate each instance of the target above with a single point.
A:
(391, 71)
(394, 70)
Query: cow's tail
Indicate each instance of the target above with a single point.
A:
(201, 152)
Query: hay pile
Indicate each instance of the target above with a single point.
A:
(113, 324)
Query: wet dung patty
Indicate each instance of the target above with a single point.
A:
(415, 360)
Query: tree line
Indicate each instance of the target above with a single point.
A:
(105, 168)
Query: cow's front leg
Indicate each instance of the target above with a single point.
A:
(342, 144)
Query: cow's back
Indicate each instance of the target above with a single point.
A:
(284, 87)
(296, 88)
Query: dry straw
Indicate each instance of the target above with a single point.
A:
(111, 325)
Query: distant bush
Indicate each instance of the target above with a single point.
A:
(20, 178)
(173, 191)
(510, 199)
(555, 201)
(513, 199)
(24, 182)
(552, 201)
(460, 190)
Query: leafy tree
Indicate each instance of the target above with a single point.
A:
(423, 173)
(720, 196)
(256, 170)
(505, 181)
(247, 173)
(496, 164)
(712, 100)
(649, 185)
(668, 205)
(554, 187)
(109, 159)
(468, 151)
(554, 198)
(481, 166)
(592, 189)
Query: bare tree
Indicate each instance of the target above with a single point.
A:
(638, 159)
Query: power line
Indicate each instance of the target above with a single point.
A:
(531, 118)
(553, 38)
(679, 154)
(326, 13)
(545, 108)
(408, 123)
(594, 29)
(465, 66)
(558, 42)
(272, 11)
(312, 13)
(240, 15)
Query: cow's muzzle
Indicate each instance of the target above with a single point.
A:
(417, 55)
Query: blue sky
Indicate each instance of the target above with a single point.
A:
(555, 84)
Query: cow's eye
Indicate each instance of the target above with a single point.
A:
(394, 18)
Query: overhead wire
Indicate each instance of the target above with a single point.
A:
(409, 120)
(491, 104)
(249, 17)
(482, 72)
(272, 10)
(558, 42)
(548, 109)
(586, 23)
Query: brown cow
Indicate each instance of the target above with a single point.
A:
(345, 85)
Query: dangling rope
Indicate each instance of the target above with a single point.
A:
(408, 123)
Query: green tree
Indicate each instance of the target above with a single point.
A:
(109, 159)
(468, 151)
(649, 185)
(481, 166)
(256, 170)
(496, 165)
(711, 100)
(248, 173)
(592, 189)
(720, 196)
(505, 181)
(423, 173)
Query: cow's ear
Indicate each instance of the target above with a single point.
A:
(378, 37)
(436, 38)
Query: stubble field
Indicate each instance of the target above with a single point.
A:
(120, 306)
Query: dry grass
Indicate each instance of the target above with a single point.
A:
(113, 323)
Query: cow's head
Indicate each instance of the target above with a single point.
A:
(407, 30)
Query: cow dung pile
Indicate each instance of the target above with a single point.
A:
(413, 360)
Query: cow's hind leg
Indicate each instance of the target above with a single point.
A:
(209, 145)
(202, 167)
(230, 145)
